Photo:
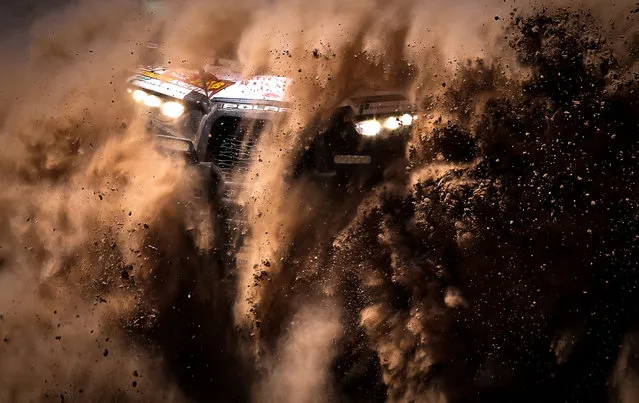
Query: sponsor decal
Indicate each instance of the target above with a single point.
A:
(254, 107)
(169, 89)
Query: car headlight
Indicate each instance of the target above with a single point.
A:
(152, 101)
(172, 109)
(368, 128)
(406, 119)
(139, 95)
(392, 123)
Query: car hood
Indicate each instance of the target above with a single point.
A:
(178, 83)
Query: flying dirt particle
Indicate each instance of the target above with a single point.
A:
(496, 18)
(6, 340)
(58, 338)
(106, 352)
(124, 275)
(135, 373)
(454, 298)
(146, 226)
(134, 384)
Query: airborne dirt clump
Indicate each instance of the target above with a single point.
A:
(497, 262)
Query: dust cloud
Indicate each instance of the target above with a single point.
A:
(86, 207)
(495, 262)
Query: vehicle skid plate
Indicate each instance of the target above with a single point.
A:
(352, 159)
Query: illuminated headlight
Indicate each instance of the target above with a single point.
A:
(368, 128)
(139, 95)
(406, 119)
(152, 101)
(392, 123)
(172, 109)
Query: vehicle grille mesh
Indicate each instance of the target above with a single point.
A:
(234, 155)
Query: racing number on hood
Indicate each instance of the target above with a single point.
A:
(212, 83)
(214, 86)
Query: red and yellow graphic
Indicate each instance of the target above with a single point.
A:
(208, 82)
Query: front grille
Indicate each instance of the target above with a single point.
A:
(231, 149)
(233, 140)
(234, 155)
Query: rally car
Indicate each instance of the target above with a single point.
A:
(214, 118)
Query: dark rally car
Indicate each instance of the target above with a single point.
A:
(214, 118)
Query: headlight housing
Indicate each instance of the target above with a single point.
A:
(170, 109)
(368, 127)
